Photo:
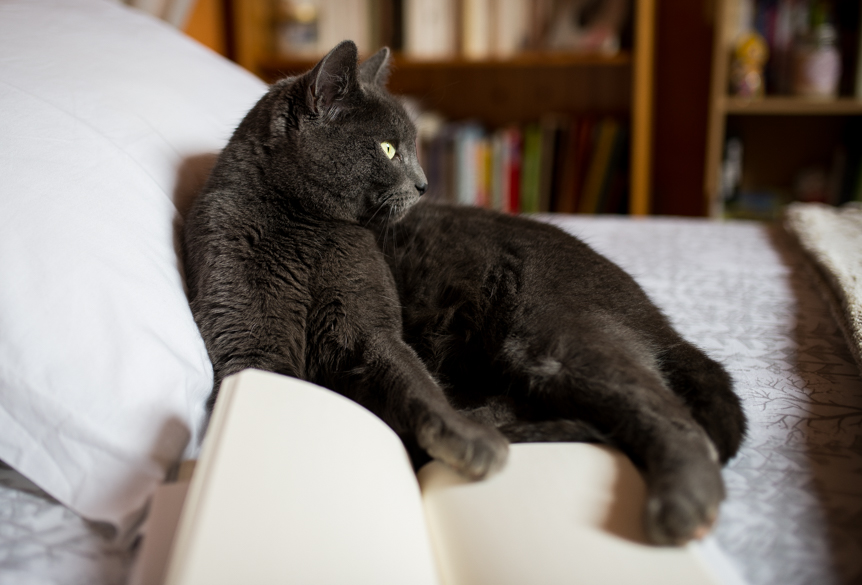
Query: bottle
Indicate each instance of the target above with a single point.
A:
(817, 61)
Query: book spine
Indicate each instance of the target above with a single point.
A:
(586, 143)
(497, 177)
(613, 190)
(514, 160)
(476, 39)
(530, 169)
(429, 28)
(483, 172)
(510, 27)
(344, 19)
(598, 167)
(463, 168)
(549, 128)
(568, 167)
(562, 155)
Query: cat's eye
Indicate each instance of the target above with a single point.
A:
(388, 149)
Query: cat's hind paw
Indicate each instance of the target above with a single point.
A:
(684, 506)
(474, 450)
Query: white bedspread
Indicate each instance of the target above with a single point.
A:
(740, 291)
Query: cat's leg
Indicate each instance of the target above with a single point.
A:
(391, 381)
(553, 431)
(517, 424)
(707, 390)
(595, 372)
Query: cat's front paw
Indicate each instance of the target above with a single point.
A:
(474, 450)
(683, 504)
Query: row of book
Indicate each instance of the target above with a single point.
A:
(447, 29)
(559, 164)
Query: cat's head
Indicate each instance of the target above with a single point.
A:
(337, 142)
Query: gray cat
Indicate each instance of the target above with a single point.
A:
(299, 257)
(282, 267)
(528, 329)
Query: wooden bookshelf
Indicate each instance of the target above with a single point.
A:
(791, 106)
(780, 134)
(498, 92)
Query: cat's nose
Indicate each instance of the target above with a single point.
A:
(421, 187)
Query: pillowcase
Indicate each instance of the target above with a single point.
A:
(103, 373)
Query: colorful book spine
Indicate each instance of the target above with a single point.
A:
(531, 169)
(514, 149)
(599, 165)
(554, 165)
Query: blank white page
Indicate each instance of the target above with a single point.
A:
(297, 484)
(558, 513)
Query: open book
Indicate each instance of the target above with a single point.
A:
(297, 484)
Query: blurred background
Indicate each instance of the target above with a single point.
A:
(720, 108)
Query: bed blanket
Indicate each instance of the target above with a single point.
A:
(740, 291)
(832, 239)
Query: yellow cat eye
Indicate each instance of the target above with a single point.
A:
(388, 149)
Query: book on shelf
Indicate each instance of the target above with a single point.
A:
(470, 165)
(614, 197)
(559, 164)
(581, 139)
(310, 28)
(510, 30)
(531, 161)
(493, 28)
(482, 29)
(430, 29)
(498, 177)
(345, 19)
(476, 31)
(553, 129)
(297, 484)
(514, 142)
(597, 173)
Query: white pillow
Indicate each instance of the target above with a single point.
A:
(103, 373)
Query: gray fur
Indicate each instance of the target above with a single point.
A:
(297, 263)
(530, 330)
(283, 270)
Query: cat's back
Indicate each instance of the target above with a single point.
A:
(489, 262)
(462, 240)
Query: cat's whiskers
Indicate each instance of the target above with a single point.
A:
(379, 207)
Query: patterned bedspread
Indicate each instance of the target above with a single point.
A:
(739, 290)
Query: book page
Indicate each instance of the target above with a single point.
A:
(151, 561)
(558, 513)
(297, 484)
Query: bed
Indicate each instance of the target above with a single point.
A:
(110, 120)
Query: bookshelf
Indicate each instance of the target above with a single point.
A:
(781, 134)
(497, 92)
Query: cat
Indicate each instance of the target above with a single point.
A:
(530, 330)
(300, 252)
(282, 266)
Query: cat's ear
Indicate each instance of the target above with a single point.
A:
(333, 78)
(375, 69)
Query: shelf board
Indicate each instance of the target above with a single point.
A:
(523, 60)
(793, 106)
